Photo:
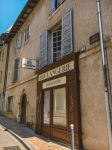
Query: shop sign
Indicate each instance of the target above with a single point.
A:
(56, 71)
(55, 82)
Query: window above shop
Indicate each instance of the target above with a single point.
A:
(57, 42)
(54, 4)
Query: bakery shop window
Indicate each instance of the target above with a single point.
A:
(59, 107)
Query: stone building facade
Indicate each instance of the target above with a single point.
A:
(63, 36)
(3, 62)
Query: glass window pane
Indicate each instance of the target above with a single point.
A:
(47, 107)
(59, 107)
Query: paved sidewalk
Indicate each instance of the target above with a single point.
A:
(28, 136)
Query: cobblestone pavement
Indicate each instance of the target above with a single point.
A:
(34, 141)
(7, 141)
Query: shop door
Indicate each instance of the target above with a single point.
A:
(54, 114)
(46, 114)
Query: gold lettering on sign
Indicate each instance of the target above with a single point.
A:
(56, 71)
(55, 82)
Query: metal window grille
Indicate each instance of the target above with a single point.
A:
(57, 44)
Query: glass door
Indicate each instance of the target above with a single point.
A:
(46, 119)
(59, 107)
(46, 114)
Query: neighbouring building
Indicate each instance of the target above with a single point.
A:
(61, 37)
(3, 69)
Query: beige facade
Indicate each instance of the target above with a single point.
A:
(3, 56)
(85, 24)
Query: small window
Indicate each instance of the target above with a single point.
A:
(9, 105)
(0, 56)
(27, 35)
(16, 67)
(57, 38)
(54, 4)
(0, 76)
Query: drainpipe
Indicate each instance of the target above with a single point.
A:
(105, 76)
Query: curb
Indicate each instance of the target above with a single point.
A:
(26, 145)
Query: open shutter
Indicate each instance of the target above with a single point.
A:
(67, 31)
(14, 48)
(16, 67)
(52, 6)
(20, 40)
(59, 2)
(43, 49)
(50, 52)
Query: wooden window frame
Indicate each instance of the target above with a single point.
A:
(58, 56)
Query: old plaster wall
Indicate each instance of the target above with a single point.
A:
(93, 114)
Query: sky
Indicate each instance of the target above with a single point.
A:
(9, 11)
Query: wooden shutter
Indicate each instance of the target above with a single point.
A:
(59, 2)
(16, 66)
(43, 49)
(20, 40)
(67, 39)
(14, 48)
(52, 6)
(50, 52)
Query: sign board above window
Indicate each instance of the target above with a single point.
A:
(29, 63)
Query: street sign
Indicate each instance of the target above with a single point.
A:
(29, 63)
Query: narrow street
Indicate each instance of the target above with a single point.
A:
(8, 142)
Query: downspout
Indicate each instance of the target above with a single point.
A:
(105, 76)
(6, 70)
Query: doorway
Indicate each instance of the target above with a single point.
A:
(23, 109)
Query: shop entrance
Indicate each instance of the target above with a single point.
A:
(54, 111)
(23, 109)
(58, 101)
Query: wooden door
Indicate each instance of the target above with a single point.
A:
(23, 109)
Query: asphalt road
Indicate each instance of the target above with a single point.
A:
(8, 142)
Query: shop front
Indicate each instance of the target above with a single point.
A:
(58, 102)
